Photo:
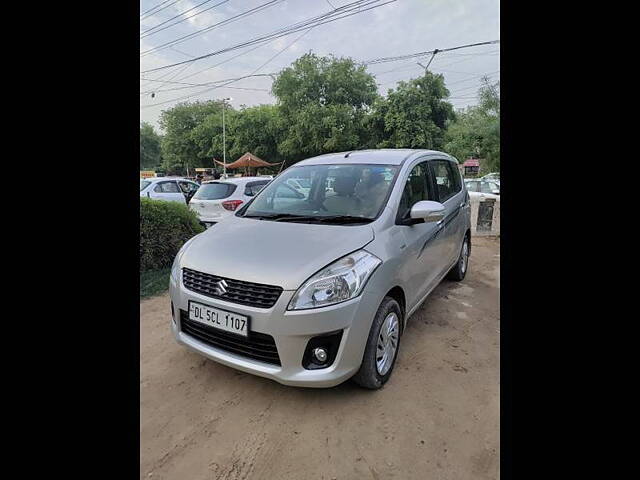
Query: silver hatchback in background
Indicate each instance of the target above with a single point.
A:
(310, 287)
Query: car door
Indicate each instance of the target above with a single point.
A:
(188, 189)
(424, 258)
(447, 184)
(169, 191)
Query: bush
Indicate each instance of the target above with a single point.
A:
(164, 228)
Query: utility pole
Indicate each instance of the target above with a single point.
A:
(224, 138)
(430, 60)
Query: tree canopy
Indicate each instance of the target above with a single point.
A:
(150, 152)
(182, 147)
(323, 105)
(476, 132)
(414, 115)
(323, 102)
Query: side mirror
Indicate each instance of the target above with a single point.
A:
(428, 211)
(496, 192)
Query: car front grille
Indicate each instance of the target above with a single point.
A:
(237, 291)
(257, 346)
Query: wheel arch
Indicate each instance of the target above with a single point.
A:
(397, 293)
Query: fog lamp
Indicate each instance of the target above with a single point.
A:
(320, 354)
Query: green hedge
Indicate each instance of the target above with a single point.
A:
(164, 228)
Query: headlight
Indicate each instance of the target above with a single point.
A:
(342, 280)
(175, 268)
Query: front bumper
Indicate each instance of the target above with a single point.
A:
(291, 331)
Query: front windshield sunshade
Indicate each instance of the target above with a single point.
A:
(339, 193)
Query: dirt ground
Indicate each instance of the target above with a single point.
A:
(436, 418)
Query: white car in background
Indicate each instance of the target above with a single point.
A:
(492, 176)
(171, 189)
(302, 185)
(482, 189)
(217, 199)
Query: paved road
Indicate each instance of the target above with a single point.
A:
(437, 417)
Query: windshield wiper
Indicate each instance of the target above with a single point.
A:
(274, 216)
(289, 217)
(324, 219)
(344, 219)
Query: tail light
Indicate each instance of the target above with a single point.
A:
(231, 205)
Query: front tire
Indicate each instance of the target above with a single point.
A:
(382, 346)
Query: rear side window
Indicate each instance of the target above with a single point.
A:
(214, 191)
(254, 187)
(446, 178)
(166, 187)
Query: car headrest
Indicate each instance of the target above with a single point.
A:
(344, 185)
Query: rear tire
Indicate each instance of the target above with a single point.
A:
(459, 270)
(384, 337)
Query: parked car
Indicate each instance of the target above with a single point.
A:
(317, 290)
(483, 186)
(302, 185)
(483, 196)
(173, 189)
(491, 176)
(218, 199)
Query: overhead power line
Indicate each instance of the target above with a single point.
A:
(160, 9)
(254, 73)
(206, 84)
(184, 38)
(422, 54)
(153, 8)
(187, 86)
(184, 67)
(155, 29)
(338, 14)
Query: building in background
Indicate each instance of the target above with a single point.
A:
(471, 167)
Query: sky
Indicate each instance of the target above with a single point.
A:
(398, 28)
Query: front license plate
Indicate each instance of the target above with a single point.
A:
(220, 319)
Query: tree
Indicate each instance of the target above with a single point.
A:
(255, 130)
(323, 102)
(414, 115)
(182, 144)
(476, 132)
(150, 154)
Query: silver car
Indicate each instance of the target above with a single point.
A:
(311, 288)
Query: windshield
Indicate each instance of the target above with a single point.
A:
(143, 184)
(489, 187)
(325, 191)
(214, 191)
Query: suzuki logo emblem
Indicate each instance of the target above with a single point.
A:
(221, 287)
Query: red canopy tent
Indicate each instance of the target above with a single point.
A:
(247, 161)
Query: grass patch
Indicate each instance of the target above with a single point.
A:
(154, 282)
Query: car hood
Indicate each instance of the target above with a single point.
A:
(282, 254)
